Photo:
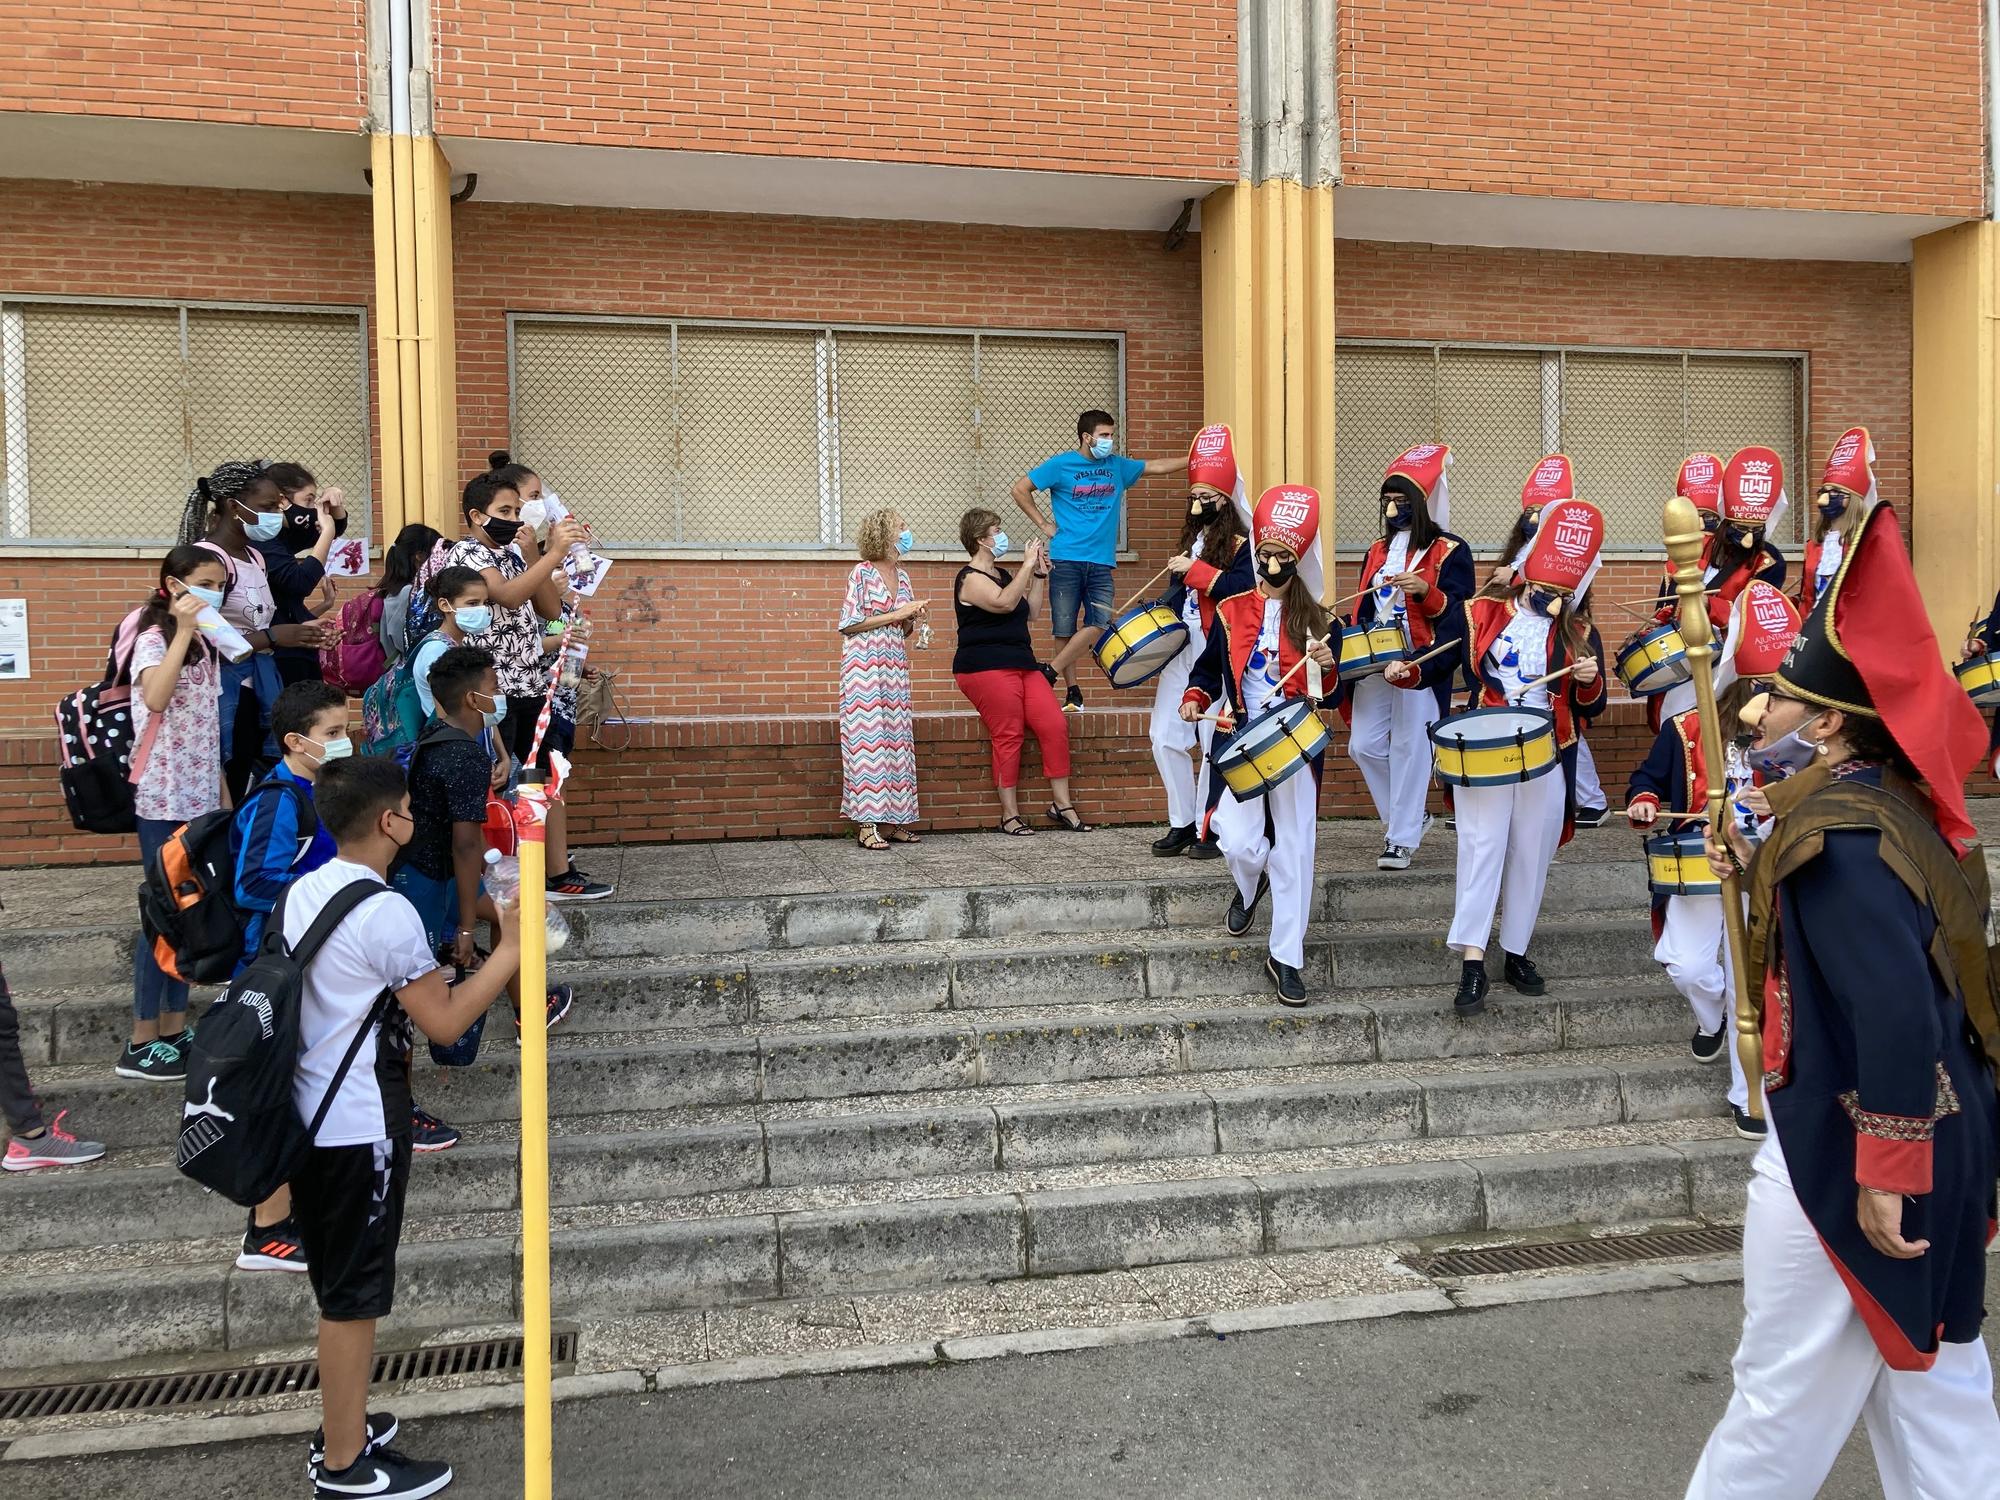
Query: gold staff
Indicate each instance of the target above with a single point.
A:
(1682, 525)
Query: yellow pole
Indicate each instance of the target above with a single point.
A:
(538, 1436)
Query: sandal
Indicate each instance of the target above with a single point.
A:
(872, 841)
(1068, 819)
(1015, 828)
(901, 835)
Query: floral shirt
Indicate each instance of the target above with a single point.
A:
(182, 778)
(515, 638)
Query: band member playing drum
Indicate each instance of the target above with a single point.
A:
(1846, 494)
(1551, 479)
(1252, 662)
(1700, 481)
(1872, 1197)
(1508, 833)
(1673, 783)
(1417, 575)
(1212, 563)
(1753, 502)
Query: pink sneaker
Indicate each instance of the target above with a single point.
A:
(54, 1147)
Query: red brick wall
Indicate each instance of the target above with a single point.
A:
(1147, 89)
(1849, 104)
(301, 63)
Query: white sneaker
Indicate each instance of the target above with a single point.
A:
(1393, 857)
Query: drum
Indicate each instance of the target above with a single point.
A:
(1654, 660)
(1271, 747)
(1139, 644)
(1368, 649)
(1981, 678)
(1494, 746)
(1677, 865)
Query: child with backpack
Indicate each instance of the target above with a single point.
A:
(177, 776)
(400, 705)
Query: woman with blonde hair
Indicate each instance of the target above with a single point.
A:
(878, 732)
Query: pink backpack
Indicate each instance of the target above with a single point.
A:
(355, 661)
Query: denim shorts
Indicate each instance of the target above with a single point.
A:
(1074, 585)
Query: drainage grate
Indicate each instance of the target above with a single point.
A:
(1555, 1254)
(214, 1387)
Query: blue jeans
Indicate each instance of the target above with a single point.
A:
(1078, 585)
(152, 991)
(260, 673)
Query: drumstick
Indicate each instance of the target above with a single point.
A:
(1542, 681)
(1143, 588)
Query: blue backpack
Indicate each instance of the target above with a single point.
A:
(392, 715)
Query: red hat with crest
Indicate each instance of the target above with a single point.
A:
(1701, 481)
(1753, 487)
(1424, 466)
(1565, 552)
(1211, 459)
(1851, 465)
(1551, 479)
(1288, 514)
(1762, 627)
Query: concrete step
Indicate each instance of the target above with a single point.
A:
(135, 1306)
(98, 949)
(136, 1196)
(965, 1051)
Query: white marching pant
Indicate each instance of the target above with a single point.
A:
(1693, 952)
(1506, 837)
(1286, 856)
(1589, 790)
(1806, 1368)
(1174, 739)
(1387, 738)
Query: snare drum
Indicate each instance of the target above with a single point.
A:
(1139, 644)
(1368, 649)
(1494, 746)
(1981, 678)
(1654, 660)
(1677, 865)
(1275, 745)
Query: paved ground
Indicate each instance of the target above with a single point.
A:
(1601, 1396)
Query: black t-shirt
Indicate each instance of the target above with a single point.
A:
(988, 642)
(449, 779)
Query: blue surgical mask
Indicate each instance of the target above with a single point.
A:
(905, 539)
(1103, 448)
(338, 749)
(266, 527)
(473, 619)
(1783, 757)
(1000, 544)
(492, 715)
(211, 597)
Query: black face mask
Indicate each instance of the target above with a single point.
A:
(1745, 537)
(1205, 508)
(1545, 603)
(501, 531)
(1277, 571)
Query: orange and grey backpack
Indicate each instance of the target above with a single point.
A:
(187, 900)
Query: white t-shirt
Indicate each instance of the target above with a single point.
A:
(1260, 674)
(1519, 656)
(380, 946)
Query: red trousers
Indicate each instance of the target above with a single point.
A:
(1011, 703)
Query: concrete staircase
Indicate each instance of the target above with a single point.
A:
(994, 1072)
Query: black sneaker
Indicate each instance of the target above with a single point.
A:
(1393, 857)
(1291, 984)
(561, 997)
(156, 1062)
(1523, 975)
(1238, 921)
(1707, 1045)
(429, 1133)
(275, 1248)
(1471, 997)
(383, 1474)
(1204, 849)
(1592, 817)
(1174, 840)
(382, 1429)
(1748, 1128)
(1073, 701)
(574, 885)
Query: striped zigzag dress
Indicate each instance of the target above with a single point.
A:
(878, 733)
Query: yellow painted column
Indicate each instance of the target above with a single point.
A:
(1955, 449)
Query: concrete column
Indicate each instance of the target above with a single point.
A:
(1955, 408)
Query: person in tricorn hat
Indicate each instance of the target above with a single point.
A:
(1872, 1198)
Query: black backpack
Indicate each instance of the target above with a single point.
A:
(94, 742)
(241, 1135)
(187, 900)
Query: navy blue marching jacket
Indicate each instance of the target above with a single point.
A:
(1873, 1080)
(1211, 585)
(1218, 673)
(1446, 565)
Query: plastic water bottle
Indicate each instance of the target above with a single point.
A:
(503, 884)
(575, 650)
(222, 635)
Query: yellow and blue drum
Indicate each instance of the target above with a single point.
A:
(1273, 747)
(1139, 643)
(1654, 660)
(1677, 865)
(1981, 678)
(1494, 746)
(1368, 649)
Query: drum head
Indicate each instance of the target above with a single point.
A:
(1149, 658)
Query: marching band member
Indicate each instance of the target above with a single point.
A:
(1673, 782)
(1593, 808)
(1212, 563)
(1417, 575)
(1700, 482)
(1552, 478)
(1846, 494)
(1871, 1199)
(1257, 640)
(1508, 834)
(1984, 638)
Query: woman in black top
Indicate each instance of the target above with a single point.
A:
(995, 667)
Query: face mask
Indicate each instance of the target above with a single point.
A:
(1398, 516)
(1832, 504)
(1785, 756)
(1542, 602)
(1204, 507)
(1277, 571)
(501, 531)
(905, 539)
(301, 518)
(266, 527)
(338, 749)
(1744, 536)
(473, 619)
(1530, 522)
(534, 512)
(1709, 521)
(999, 543)
(1102, 448)
(211, 597)
(492, 715)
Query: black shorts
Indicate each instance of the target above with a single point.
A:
(517, 731)
(348, 1204)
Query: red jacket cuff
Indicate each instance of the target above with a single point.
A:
(1432, 604)
(1893, 1166)
(1647, 797)
(1201, 577)
(1590, 692)
(1197, 697)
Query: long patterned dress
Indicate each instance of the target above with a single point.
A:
(878, 732)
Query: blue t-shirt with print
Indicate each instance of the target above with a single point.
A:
(1086, 494)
